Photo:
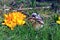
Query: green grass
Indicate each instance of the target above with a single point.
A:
(27, 32)
(48, 32)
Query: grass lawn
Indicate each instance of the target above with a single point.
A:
(50, 31)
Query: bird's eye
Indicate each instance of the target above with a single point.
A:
(33, 15)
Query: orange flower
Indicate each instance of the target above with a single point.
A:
(13, 19)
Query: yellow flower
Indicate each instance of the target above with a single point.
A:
(5, 15)
(23, 22)
(20, 22)
(3, 23)
(58, 22)
(59, 18)
(14, 18)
